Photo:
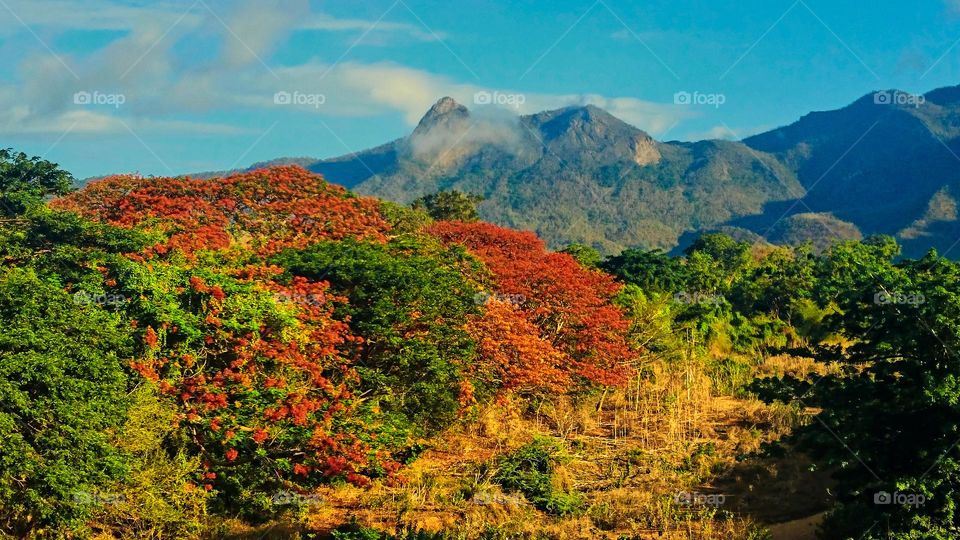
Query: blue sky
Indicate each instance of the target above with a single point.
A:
(175, 87)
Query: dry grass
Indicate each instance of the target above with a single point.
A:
(631, 453)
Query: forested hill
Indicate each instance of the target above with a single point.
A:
(885, 164)
(267, 354)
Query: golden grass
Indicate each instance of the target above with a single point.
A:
(631, 453)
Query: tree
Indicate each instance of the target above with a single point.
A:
(265, 211)
(63, 390)
(584, 254)
(889, 426)
(409, 303)
(26, 182)
(652, 271)
(450, 205)
(571, 306)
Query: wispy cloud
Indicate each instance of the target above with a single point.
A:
(162, 92)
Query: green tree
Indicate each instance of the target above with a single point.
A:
(450, 205)
(409, 301)
(652, 271)
(25, 182)
(889, 425)
(584, 254)
(63, 392)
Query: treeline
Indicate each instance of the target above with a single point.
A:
(175, 351)
(886, 421)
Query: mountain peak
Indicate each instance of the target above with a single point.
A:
(444, 107)
(587, 122)
(446, 113)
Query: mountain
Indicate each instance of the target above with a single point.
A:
(888, 163)
(576, 174)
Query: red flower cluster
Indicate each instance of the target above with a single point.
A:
(579, 331)
(267, 209)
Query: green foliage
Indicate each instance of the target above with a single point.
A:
(409, 300)
(585, 255)
(25, 182)
(403, 219)
(63, 396)
(530, 471)
(450, 205)
(354, 531)
(652, 271)
(889, 424)
(157, 498)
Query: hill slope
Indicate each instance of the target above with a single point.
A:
(579, 174)
(572, 175)
(888, 168)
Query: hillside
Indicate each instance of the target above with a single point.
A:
(887, 168)
(571, 175)
(580, 175)
(268, 355)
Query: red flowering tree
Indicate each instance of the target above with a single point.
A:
(262, 369)
(266, 392)
(569, 305)
(265, 210)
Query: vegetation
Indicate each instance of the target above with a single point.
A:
(269, 354)
(449, 205)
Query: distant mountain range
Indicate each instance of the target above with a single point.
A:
(888, 163)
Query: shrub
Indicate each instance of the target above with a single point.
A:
(530, 470)
(63, 394)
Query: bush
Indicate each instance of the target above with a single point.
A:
(530, 470)
(159, 498)
(63, 394)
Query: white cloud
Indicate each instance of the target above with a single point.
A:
(328, 23)
(252, 30)
(160, 88)
(726, 133)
